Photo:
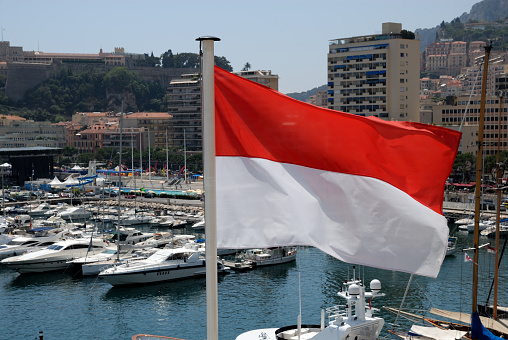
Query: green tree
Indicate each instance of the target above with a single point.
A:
(407, 34)
(167, 59)
(85, 158)
(223, 63)
(464, 164)
(246, 67)
(69, 151)
(186, 60)
(119, 79)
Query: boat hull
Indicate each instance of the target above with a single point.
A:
(40, 266)
(154, 275)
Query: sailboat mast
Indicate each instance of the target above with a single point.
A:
(167, 158)
(149, 163)
(208, 105)
(498, 207)
(119, 186)
(479, 169)
(184, 158)
(141, 157)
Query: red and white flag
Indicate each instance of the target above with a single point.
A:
(468, 258)
(363, 190)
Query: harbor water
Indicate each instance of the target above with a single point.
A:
(70, 307)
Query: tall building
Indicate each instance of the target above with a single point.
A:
(184, 105)
(465, 110)
(376, 75)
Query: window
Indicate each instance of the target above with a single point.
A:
(402, 55)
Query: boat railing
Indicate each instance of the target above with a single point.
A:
(336, 314)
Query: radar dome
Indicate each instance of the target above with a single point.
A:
(354, 290)
(375, 285)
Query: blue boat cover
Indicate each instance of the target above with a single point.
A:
(478, 331)
(39, 229)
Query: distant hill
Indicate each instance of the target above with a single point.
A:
(483, 11)
(303, 96)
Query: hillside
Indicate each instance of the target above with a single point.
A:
(303, 96)
(483, 11)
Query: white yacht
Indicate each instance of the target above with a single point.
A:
(158, 240)
(126, 255)
(54, 257)
(355, 320)
(134, 219)
(40, 210)
(74, 214)
(167, 221)
(470, 227)
(164, 265)
(56, 209)
(199, 225)
(129, 236)
(42, 238)
(93, 264)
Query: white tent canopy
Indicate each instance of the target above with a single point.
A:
(70, 181)
(56, 183)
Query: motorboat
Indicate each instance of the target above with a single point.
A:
(167, 221)
(128, 236)
(74, 214)
(464, 221)
(491, 231)
(158, 240)
(134, 219)
(269, 256)
(355, 320)
(40, 210)
(164, 265)
(451, 247)
(56, 209)
(22, 221)
(200, 225)
(42, 238)
(470, 227)
(126, 255)
(108, 253)
(55, 256)
(6, 238)
(52, 221)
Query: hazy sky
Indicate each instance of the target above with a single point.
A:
(290, 38)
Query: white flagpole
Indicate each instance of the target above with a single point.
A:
(207, 90)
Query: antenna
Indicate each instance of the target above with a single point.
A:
(300, 307)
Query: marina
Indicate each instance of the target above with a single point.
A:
(261, 298)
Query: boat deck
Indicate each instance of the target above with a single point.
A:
(238, 266)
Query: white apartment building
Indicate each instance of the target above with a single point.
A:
(375, 75)
(25, 134)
